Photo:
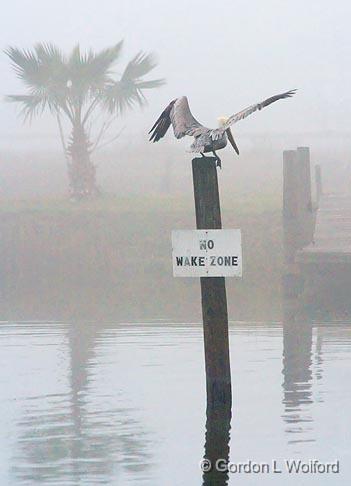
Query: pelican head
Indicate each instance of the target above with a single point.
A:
(222, 120)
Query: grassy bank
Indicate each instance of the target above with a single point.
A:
(111, 259)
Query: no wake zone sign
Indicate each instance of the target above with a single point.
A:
(207, 253)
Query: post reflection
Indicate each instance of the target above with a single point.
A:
(217, 444)
(297, 377)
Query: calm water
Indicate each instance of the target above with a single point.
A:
(124, 404)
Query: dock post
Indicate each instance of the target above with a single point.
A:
(290, 205)
(217, 448)
(213, 292)
(305, 196)
(291, 223)
(319, 187)
(298, 215)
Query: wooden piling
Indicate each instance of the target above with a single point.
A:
(290, 206)
(213, 292)
(217, 441)
(305, 196)
(318, 178)
(297, 201)
(298, 215)
(291, 225)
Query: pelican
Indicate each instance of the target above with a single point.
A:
(206, 139)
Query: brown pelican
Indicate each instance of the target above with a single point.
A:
(206, 140)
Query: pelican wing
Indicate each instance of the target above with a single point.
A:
(258, 106)
(179, 115)
(182, 119)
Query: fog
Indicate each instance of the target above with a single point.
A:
(103, 370)
(223, 57)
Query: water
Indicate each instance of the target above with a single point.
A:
(124, 404)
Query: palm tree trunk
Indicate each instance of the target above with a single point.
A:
(81, 170)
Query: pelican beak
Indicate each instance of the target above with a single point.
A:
(231, 140)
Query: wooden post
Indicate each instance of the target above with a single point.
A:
(213, 292)
(291, 225)
(298, 215)
(290, 205)
(319, 187)
(297, 201)
(305, 196)
(217, 445)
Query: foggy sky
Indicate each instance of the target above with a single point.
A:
(222, 55)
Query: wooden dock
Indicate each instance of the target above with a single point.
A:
(332, 233)
(317, 235)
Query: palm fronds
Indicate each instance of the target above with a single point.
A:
(128, 91)
(77, 86)
(90, 70)
(31, 105)
(83, 81)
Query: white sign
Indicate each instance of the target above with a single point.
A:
(207, 253)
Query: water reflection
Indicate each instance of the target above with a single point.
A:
(78, 436)
(297, 378)
(124, 404)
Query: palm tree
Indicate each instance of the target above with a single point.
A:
(78, 87)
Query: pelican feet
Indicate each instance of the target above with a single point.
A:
(218, 160)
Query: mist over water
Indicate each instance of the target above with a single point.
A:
(81, 410)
